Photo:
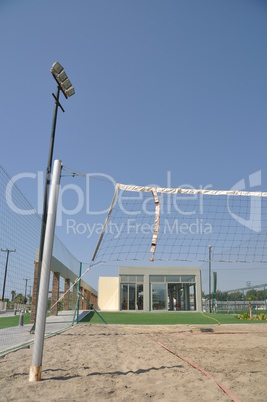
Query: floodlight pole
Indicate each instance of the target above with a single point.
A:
(48, 175)
(46, 191)
(64, 85)
(210, 247)
(26, 282)
(7, 251)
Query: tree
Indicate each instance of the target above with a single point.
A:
(250, 298)
(13, 294)
(19, 299)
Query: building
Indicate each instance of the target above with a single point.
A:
(151, 288)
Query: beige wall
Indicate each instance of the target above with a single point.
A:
(108, 293)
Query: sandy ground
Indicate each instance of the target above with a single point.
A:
(143, 363)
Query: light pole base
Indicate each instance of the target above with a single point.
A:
(35, 373)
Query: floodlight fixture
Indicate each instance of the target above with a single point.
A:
(62, 76)
(66, 84)
(56, 68)
(62, 79)
(70, 91)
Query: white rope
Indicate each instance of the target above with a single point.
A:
(156, 224)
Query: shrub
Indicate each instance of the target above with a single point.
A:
(261, 317)
(246, 316)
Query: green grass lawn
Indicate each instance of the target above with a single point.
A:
(13, 321)
(165, 318)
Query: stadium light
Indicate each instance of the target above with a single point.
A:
(64, 85)
(62, 79)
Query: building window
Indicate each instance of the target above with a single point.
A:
(173, 278)
(132, 292)
(172, 292)
(188, 278)
(157, 278)
(132, 297)
(140, 297)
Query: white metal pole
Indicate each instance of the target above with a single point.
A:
(35, 369)
(210, 247)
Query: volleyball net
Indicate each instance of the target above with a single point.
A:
(179, 224)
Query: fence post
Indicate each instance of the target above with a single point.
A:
(235, 301)
(78, 292)
(253, 299)
(21, 319)
(265, 299)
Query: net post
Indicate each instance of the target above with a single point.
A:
(74, 315)
(210, 247)
(99, 315)
(35, 369)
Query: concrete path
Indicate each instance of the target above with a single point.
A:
(16, 337)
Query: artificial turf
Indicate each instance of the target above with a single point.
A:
(139, 318)
(166, 318)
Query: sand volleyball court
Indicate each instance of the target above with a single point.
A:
(144, 363)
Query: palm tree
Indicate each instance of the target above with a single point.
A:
(250, 305)
(13, 294)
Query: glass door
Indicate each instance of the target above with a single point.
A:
(159, 296)
(131, 296)
(132, 302)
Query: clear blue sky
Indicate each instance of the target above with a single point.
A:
(161, 86)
